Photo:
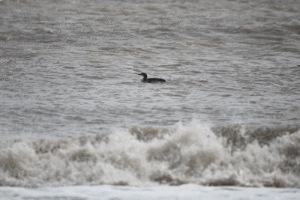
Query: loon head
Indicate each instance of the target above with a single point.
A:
(144, 75)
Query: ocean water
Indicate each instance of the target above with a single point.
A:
(74, 112)
(188, 191)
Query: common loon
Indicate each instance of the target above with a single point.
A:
(150, 80)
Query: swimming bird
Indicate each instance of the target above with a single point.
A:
(151, 80)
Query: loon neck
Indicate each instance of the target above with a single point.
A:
(145, 77)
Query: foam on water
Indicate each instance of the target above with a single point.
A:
(144, 156)
(189, 191)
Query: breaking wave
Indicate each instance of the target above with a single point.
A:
(142, 156)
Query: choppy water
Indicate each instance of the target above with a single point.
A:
(74, 111)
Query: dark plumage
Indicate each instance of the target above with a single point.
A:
(151, 80)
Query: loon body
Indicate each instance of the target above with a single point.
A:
(151, 80)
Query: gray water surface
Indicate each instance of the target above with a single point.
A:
(69, 68)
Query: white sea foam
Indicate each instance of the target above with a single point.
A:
(183, 154)
(190, 191)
